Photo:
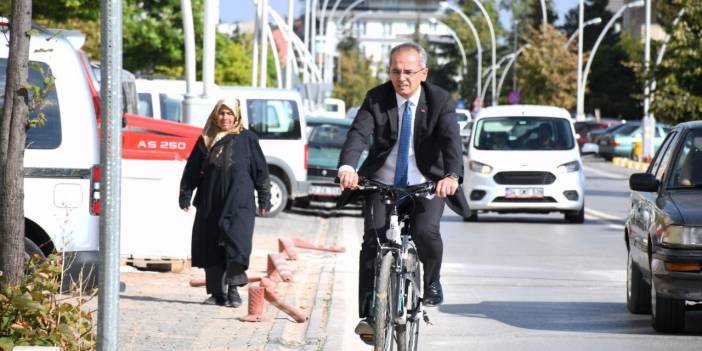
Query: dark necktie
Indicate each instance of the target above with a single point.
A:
(401, 167)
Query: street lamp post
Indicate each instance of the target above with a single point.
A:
(491, 71)
(581, 89)
(479, 54)
(508, 65)
(446, 4)
(649, 123)
(580, 111)
(458, 43)
(596, 20)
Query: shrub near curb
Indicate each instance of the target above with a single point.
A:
(34, 314)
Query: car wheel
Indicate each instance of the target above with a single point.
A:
(31, 249)
(279, 196)
(576, 216)
(472, 218)
(638, 292)
(667, 315)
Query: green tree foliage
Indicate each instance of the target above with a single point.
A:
(678, 93)
(153, 35)
(547, 69)
(355, 77)
(34, 315)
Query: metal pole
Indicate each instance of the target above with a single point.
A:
(263, 27)
(256, 38)
(590, 59)
(276, 58)
(208, 49)
(479, 55)
(492, 39)
(458, 43)
(306, 38)
(313, 31)
(494, 50)
(544, 15)
(580, 110)
(596, 20)
(649, 123)
(323, 35)
(189, 33)
(110, 163)
(289, 58)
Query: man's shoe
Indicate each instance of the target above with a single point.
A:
(433, 295)
(215, 300)
(365, 330)
(233, 298)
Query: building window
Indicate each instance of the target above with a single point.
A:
(387, 29)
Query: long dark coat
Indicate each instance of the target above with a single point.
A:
(225, 179)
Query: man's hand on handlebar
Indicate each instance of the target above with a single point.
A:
(348, 180)
(446, 187)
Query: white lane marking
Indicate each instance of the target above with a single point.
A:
(602, 215)
(594, 214)
(606, 174)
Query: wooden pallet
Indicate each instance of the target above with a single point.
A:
(176, 265)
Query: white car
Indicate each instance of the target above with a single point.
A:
(524, 158)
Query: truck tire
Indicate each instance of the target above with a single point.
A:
(279, 196)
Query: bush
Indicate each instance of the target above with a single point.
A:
(34, 314)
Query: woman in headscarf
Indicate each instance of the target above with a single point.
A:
(225, 167)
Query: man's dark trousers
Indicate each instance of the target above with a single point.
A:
(425, 216)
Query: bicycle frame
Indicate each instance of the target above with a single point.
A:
(398, 281)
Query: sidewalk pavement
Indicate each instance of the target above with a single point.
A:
(161, 311)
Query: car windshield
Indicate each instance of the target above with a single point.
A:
(328, 135)
(524, 133)
(688, 166)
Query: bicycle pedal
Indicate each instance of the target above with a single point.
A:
(425, 317)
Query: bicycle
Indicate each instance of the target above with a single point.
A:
(397, 295)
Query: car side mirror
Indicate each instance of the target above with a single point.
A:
(646, 182)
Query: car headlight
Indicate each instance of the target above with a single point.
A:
(479, 167)
(569, 167)
(682, 236)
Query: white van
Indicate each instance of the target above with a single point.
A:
(61, 200)
(275, 115)
(524, 158)
(162, 98)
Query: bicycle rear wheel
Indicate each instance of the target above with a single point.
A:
(384, 326)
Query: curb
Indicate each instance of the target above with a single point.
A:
(631, 164)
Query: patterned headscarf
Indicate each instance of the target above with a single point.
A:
(211, 129)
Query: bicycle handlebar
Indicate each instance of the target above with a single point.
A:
(366, 184)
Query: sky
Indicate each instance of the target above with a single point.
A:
(244, 10)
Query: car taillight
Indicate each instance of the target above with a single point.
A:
(613, 142)
(307, 154)
(95, 190)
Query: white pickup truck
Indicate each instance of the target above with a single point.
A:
(61, 162)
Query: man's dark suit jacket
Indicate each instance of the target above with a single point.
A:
(437, 144)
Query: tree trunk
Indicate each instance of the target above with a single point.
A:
(12, 140)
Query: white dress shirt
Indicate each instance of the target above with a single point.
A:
(386, 173)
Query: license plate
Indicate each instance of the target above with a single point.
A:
(324, 190)
(521, 193)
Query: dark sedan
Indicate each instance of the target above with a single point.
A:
(663, 231)
(326, 137)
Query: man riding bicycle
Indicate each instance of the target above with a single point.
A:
(414, 138)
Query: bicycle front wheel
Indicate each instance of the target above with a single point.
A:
(384, 326)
